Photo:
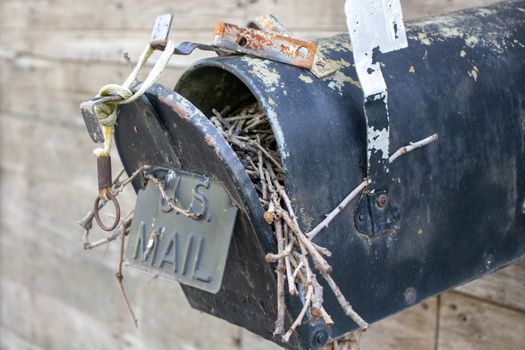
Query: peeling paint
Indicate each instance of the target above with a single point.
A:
(339, 64)
(209, 140)
(338, 43)
(462, 53)
(412, 69)
(422, 37)
(269, 76)
(338, 81)
(277, 131)
(306, 79)
(446, 27)
(485, 12)
(271, 102)
(450, 32)
(378, 140)
(474, 73)
(471, 41)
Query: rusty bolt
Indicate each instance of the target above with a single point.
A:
(381, 200)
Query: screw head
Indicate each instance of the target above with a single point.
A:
(410, 296)
(320, 338)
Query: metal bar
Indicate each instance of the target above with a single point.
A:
(269, 45)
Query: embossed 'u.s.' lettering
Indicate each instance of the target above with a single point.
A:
(200, 197)
(141, 246)
(172, 184)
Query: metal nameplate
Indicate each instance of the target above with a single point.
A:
(190, 251)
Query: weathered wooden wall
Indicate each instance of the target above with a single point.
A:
(55, 295)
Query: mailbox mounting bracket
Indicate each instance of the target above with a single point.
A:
(375, 27)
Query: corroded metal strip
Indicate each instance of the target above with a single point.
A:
(320, 68)
(269, 45)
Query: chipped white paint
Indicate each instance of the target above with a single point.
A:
(474, 36)
(278, 133)
(422, 37)
(462, 53)
(378, 141)
(338, 43)
(340, 63)
(485, 12)
(306, 78)
(471, 41)
(338, 81)
(450, 32)
(474, 73)
(259, 68)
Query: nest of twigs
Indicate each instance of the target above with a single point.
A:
(299, 261)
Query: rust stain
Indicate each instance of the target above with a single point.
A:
(219, 29)
(218, 154)
(209, 140)
(175, 106)
(274, 46)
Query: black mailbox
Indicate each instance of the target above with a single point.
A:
(460, 203)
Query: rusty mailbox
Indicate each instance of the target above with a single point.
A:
(456, 208)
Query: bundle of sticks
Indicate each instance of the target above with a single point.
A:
(300, 262)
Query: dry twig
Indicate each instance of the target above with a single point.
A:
(120, 279)
(250, 135)
(121, 231)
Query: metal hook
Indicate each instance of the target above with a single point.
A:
(96, 209)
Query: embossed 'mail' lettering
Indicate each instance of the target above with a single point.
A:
(141, 246)
(170, 256)
(200, 275)
(171, 253)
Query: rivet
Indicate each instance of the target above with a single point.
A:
(410, 296)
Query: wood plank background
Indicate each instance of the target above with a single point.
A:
(55, 295)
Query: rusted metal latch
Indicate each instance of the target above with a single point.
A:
(265, 37)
